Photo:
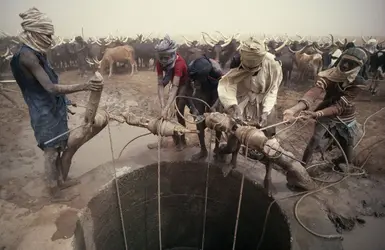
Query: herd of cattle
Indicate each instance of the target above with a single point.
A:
(307, 55)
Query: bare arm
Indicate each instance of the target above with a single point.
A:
(31, 63)
(161, 92)
(173, 91)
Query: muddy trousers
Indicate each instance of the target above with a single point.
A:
(319, 133)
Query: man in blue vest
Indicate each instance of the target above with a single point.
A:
(45, 98)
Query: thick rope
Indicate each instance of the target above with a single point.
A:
(117, 186)
(159, 212)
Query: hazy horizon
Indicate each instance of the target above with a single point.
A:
(178, 17)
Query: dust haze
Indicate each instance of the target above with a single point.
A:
(180, 17)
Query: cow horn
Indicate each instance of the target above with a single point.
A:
(236, 36)
(6, 53)
(204, 39)
(187, 39)
(212, 39)
(9, 56)
(316, 49)
(300, 38)
(363, 39)
(148, 37)
(187, 42)
(89, 62)
(227, 42)
(73, 40)
(354, 41)
(240, 45)
(108, 43)
(225, 38)
(96, 60)
(283, 44)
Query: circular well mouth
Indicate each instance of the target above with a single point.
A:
(183, 187)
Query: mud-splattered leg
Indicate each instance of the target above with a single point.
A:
(232, 147)
(51, 172)
(268, 185)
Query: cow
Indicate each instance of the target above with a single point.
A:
(144, 50)
(117, 54)
(285, 57)
(307, 61)
(377, 68)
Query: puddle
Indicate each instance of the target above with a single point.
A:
(367, 236)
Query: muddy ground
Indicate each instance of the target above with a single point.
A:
(27, 215)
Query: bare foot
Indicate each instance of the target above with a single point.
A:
(68, 183)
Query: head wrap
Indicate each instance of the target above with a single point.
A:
(252, 53)
(335, 74)
(167, 46)
(37, 30)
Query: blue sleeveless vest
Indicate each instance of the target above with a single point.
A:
(48, 112)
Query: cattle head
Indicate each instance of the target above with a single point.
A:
(371, 44)
(218, 47)
(275, 46)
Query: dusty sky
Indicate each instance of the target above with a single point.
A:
(177, 17)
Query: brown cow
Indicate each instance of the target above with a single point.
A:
(118, 54)
(307, 63)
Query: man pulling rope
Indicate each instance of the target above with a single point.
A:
(43, 95)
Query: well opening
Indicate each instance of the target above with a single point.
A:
(182, 210)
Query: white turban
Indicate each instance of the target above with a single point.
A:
(37, 30)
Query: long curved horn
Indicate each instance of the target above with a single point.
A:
(300, 38)
(315, 46)
(363, 39)
(89, 62)
(73, 40)
(187, 42)
(283, 44)
(204, 39)
(227, 42)
(332, 39)
(236, 36)
(125, 39)
(147, 37)
(109, 42)
(225, 38)
(212, 39)
(354, 41)
(96, 60)
(187, 39)
(6, 53)
(240, 45)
